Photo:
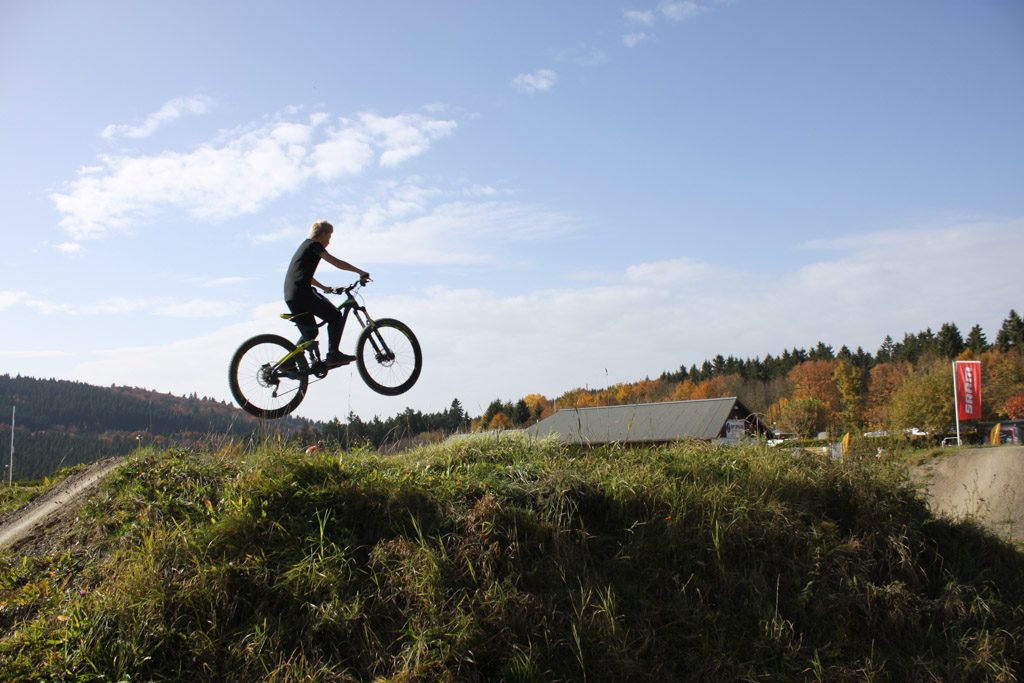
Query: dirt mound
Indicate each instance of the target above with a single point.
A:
(985, 484)
(56, 505)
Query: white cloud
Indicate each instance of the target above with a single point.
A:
(583, 55)
(166, 307)
(481, 191)
(455, 233)
(399, 200)
(214, 282)
(346, 152)
(639, 18)
(10, 298)
(280, 235)
(114, 306)
(635, 38)
(680, 11)
(240, 174)
(35, 354)
(172, 110)
(198, 308)
(541, 80)
(405, 136)
(69, 247)
(675, 271)
(414, 223)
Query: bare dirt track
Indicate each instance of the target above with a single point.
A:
(984, 484)
(54, 505)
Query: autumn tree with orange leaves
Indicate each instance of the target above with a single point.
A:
(816, 379)
(1014, 407)
(884, 380)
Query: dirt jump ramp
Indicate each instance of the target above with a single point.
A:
(984, 484)
(61, 500)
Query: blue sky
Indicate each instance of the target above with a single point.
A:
(551, 194)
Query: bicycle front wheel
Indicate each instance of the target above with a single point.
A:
(261, 384)
(388, 357)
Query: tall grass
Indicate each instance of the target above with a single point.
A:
(505, 559)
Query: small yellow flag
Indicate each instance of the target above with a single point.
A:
(846, 443)
(993, 436)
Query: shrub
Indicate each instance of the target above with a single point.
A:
(1014, 407)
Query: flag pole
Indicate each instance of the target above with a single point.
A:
(956, 406)
(10, 470)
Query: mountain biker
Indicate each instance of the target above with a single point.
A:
(305, 302)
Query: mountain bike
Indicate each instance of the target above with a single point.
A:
(269, 375)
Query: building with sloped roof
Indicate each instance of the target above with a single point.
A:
(718, 420)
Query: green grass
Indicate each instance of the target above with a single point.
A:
(502, 559)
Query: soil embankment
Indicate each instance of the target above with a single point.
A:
(985, 484)
(54, 505)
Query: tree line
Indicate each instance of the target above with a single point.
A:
(904, 384)
(404, 428)
(59, 423)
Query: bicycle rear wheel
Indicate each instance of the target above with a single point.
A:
(261, 386)
(388, 357)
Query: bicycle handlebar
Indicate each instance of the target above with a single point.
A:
(346, 290)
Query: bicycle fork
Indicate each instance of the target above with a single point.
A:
(380, 349)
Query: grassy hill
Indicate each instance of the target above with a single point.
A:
(502, 559)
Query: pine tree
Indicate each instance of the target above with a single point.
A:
(950, 343)
(456, 417)
(886, 350)
(1011, 334)
(822, 352)
(976, 340)
(521, 413)
(493, 409)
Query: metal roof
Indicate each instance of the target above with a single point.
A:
(643, 423)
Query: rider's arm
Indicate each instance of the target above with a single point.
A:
(343, 265)
(317, 284)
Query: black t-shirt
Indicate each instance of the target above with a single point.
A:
(300, 271)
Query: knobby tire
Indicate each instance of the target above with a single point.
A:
(252, 379)
(388, 375)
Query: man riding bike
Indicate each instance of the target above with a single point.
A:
(305, 302)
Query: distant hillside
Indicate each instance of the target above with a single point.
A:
(61, 423)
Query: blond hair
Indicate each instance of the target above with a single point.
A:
(318, 228)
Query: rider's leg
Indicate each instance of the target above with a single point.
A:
(323, 309)
(304, 320)
(335, 322)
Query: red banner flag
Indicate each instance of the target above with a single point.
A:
(967, 375)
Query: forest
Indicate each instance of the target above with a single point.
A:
(60, 423)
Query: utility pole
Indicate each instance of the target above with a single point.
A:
(10, 470)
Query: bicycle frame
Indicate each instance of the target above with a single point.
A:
(387, 356)
(347, 307)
